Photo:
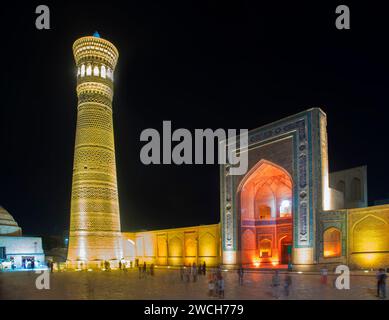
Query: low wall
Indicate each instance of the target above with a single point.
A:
(180, 246)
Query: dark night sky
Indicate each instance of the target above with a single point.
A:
(213, 65)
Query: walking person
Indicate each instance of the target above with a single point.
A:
(182, 273)
(140, 271)
(144, 269)
(204, 268)
(210, 275)
(187, 274)
(194, 272)
(216, 281)
(120, 265)
(221, 287)
(287, 284)
(324, 275)
(276, 284)
(211, 288)
(381, 283)
(240, 275)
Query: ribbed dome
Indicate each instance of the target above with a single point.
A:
(6, 219)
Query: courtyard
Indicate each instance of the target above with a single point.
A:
(166, 284)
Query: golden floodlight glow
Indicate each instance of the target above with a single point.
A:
(95, 233)
(229, 257)
(256, 262)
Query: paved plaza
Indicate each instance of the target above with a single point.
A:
(166, 284)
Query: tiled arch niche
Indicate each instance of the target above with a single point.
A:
(298, 144)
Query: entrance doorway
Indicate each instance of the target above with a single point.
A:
(286, 250)
(265, 200)
(28, 262)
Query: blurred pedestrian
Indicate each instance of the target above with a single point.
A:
(240, 275)
(182, 270)
(187, 274)
(276, 281)
(216, 281)
(324, 275)
(140, 271)
(211, 288)
(194, 272)
(287, 284)
(381, 283)
(221, 287)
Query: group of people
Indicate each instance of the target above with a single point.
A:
(216, 281)
(192, 272)
(123, 265)
(28, 263)
(145, 270)
(216, 284)
(276, 284)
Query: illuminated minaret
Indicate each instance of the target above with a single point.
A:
(95, 220)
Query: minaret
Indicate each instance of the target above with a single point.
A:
(95, 220)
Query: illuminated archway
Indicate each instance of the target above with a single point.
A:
(370, 234)
(332, 243)
(265, 247)
(285, 244)
(265, 196)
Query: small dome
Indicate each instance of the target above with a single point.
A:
(6, 219)
(96, 34)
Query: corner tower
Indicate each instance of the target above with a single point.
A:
(95, 220)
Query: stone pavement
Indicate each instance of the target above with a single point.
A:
(166, 284)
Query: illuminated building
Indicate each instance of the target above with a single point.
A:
(15, 247)
(287, 210)
(95, 234)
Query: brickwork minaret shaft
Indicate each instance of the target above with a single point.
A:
(95, 233)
